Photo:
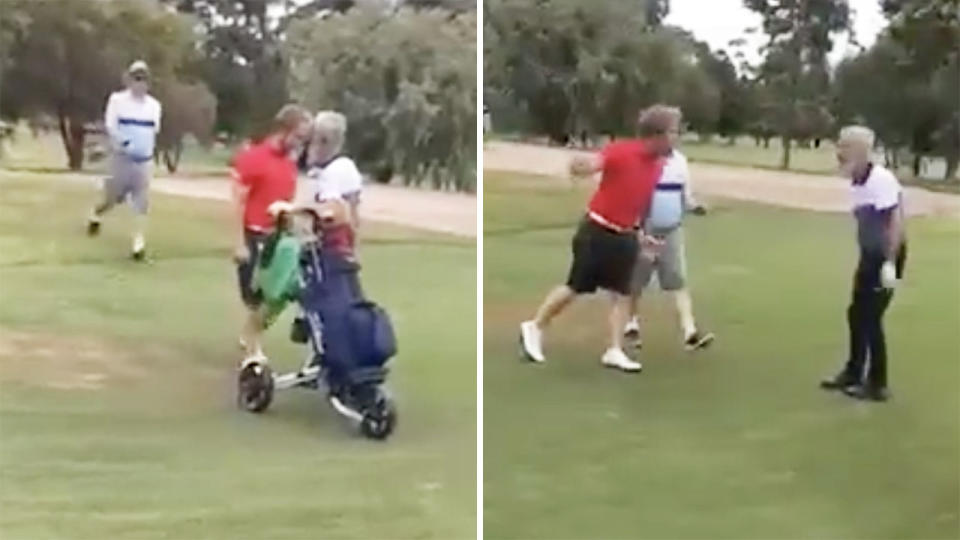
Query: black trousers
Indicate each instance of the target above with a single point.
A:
(868, 345)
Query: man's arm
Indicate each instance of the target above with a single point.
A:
(110, 122)
(353, 201)
(585, 166)
(240, 194)
(894, 232)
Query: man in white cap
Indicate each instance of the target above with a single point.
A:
(132, 121)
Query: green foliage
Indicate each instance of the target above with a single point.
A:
(911, 72)
(406, 82)
(794, 74)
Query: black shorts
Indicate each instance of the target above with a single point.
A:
(245, 271)
(602, 259)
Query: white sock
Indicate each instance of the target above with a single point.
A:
(94, 218)
(685, 310)
(138, 243)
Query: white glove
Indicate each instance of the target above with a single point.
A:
(278, 207)
(888, 275)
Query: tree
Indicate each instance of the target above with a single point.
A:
(70, 54)
(929, 32)
(794, 69)
(406, 80)
(572, 66)
(188, 108)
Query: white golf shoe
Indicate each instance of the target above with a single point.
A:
(531, 338)
(616, 358)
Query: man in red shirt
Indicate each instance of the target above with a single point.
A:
(263, 173)
(606, 244)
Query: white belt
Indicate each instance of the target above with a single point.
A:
(602, 221)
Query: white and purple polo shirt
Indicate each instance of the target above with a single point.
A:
(875, 194)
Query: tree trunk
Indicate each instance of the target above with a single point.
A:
(72, 135)
(171, 156)
(766, 142)
(785, 161)
(916, 165)
(953, 162)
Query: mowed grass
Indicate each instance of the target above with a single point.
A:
(117, 412)
(736, 441)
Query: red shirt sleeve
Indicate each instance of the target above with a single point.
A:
(609, 155)
(244, 168)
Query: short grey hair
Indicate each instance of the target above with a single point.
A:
(333, 125)
(859, 134)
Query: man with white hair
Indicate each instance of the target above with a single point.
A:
(878, 208)
(132, 121)
(330, 174)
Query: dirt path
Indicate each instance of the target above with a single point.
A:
(771, 187)
(449, 213)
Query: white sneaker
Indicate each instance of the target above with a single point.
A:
(530, 340)
(139, 248)
(616, 358)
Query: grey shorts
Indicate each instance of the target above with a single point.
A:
(670, 264)
(128, 178)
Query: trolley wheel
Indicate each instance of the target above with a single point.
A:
(255, 387)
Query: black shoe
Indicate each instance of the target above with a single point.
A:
(139, 256)
(698, 341)
(839, 382)
(867, 392)
(93, 228)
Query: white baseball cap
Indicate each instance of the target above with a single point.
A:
(138, 66)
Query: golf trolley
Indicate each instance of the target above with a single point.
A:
(349, 338)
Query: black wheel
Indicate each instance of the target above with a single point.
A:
(379, 420)
(255, 387)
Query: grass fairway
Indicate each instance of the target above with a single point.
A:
(736, 441)
(117, 412)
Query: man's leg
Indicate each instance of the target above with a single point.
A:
(252, 330)
(642, 271)
(581, 278)
(852, 372)
(619, 256)
(556, 301)
(531, 332)
(877, 342)
(140, 200)
(672, 273)
(113, 191)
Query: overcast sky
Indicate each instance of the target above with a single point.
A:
(719, 21)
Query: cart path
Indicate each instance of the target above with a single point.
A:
(782, 188)
(450, 213)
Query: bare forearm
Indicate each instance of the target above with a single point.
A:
(240, 195)
(894, 234)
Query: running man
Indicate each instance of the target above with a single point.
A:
(878, 209)
(671, 199)
(606, 244)
(263, 173)
(132, 121)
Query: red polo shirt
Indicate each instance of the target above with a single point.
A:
(630, 174)
(271, 176)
